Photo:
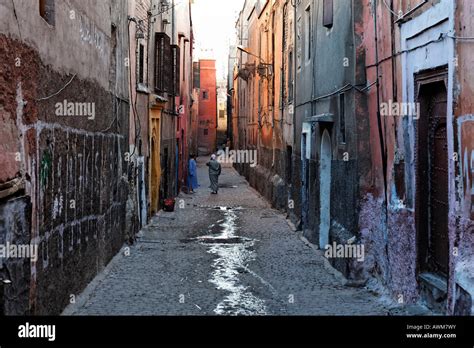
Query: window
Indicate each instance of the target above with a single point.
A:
(46, 10)
(221, 113)
(342, 117)
(328, 10)
(206, 131)
(141, 63)
(308, 33)
(176, 69)
(196, 75)
(205, 94)
(163, 62)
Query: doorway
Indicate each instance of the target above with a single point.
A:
(325, 189)
(432, 174)
(155, 163)
(165, 173)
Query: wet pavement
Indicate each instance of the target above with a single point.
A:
(225, 254)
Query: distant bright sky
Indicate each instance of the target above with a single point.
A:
(214, 29)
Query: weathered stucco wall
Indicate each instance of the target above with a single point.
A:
(72, 161)
(464, 115)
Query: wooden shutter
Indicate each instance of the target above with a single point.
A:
(163, 63)
(176, 69)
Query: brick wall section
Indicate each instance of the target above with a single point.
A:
(75, 178)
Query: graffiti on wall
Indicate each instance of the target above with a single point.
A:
(91, 35)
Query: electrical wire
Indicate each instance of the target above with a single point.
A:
(164, 11)
(439, 39)
(116, 106)
(132, 103)
(459, 37)
(392, 11)
(340, 90)
(346, 88)
(62, 89)
(402, 15)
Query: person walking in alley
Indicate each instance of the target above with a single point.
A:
(214, 172)
(192, 174)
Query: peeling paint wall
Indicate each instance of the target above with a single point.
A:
(463, 239)
(421, 42)
(72, 164)
(386, 46)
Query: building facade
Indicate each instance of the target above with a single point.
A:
(161, 101)
(64, 130)
(424, 178)
(221, 135)
(96, 123)
(363, 134)
(262, 92)
(139, 61)
(207, 118)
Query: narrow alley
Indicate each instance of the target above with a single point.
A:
(344, 130)
(225, 254)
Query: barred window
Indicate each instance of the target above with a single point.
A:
(163, 64)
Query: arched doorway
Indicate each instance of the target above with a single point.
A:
(325, 189)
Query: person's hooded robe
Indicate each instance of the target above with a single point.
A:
(214, 172)
(192, 175)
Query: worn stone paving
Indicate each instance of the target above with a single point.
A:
(225, 254)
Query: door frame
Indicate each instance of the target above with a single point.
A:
(155, 161)
(421, 79)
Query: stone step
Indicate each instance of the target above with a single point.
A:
(434, 290)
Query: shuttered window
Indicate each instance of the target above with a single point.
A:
(176, 69)
(163, 64)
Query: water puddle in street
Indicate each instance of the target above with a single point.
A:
(233, 253)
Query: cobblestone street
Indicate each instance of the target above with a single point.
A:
(188, 163)
(225, 254)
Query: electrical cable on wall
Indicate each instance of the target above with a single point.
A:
(133, 103)
(59, 91)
